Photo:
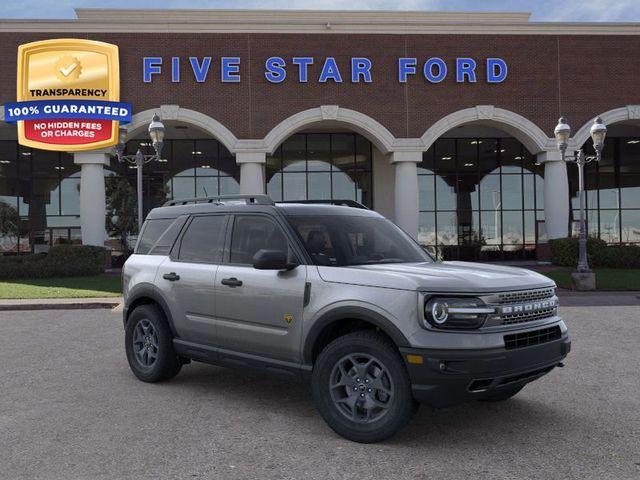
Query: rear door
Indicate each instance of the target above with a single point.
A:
(187, 277)
(259, 311)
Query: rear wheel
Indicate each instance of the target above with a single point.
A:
(361, 387)
(149, 345)
(503, 394)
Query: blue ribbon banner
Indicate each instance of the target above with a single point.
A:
(67, 109)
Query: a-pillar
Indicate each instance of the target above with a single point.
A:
(406, 190)
(251, 172)
(93, 208)
(556, 194)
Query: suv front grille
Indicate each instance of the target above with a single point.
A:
(525, 305)
(536, 337)
(525, 295)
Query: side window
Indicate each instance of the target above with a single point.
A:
(204, 240)
(168, 238)
(318, 242)
(151, 233)
(252, 233)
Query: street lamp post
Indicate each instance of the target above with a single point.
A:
(156, 133)
(562, 133)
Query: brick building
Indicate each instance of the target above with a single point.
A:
(441, 121)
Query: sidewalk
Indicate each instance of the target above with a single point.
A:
(59, 303)
(570, 298)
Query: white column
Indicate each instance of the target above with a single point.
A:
(93, 209)
(556, 194)
(251, 172)
(406, 190)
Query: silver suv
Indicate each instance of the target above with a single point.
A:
(337, 295)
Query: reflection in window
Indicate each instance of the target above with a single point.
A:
(321, 166)
(612, 192)
(479, 199)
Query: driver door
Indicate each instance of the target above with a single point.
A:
(259, 311)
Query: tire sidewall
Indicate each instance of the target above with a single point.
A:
(403, 403)
(166, 364)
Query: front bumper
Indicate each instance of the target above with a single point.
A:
(449, 377)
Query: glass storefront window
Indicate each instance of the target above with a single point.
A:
(479, 199)
(321, 166)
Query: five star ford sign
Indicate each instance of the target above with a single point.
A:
(68, 95)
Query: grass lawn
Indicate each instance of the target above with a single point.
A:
(68, 287)
(606, 278)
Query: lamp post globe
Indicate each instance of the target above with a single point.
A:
(562, 133)
(598, 133)
(156, 133)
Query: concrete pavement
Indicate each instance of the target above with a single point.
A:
(71, 409)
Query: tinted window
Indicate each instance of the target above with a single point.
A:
(341, 241)
(252, 233)
(168, 238)
(151, 233)
(204, 239)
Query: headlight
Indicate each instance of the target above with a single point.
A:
(461, 312)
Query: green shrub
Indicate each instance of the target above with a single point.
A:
(564, 252)
(61, 261)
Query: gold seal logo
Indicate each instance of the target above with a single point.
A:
(68, 68)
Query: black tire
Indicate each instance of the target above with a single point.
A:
(163, 363)
(502, 394)
(395, 387)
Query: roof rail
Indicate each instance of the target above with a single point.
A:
(222, 199)
(344, 203)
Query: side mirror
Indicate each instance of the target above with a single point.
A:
(272, 260)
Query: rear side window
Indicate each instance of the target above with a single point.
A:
(151, 233)
(203, 241)
(168, 238)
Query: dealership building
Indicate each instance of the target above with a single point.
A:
(443, 122)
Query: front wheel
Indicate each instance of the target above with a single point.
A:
(149, 345)
(361, 387)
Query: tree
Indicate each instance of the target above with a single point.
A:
(122, 215)
(9, 221)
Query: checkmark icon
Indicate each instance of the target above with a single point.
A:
(66, 71)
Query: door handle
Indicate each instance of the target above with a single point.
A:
(231, 282)
(172, 277)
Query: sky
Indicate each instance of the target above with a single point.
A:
(542, 10)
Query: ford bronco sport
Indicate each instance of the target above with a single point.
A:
(337, 295)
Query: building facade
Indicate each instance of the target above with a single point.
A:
(442, 122)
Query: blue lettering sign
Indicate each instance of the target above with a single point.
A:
(496, 70)
(330, 71)
(200, 71)
(360, 67)
(428, 70)
(465, 67)
(175, 69)
(406, 66)
(151, 66)
(275, 69)
(230, 70)
(303, 65)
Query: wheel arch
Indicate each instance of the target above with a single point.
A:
(330, 324)
(145, 294)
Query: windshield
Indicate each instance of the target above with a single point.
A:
(340, 240)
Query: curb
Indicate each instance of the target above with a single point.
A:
(57, 305)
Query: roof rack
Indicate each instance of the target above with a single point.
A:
(344, 203)
(222, 199)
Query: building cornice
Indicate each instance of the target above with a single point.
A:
(309, 21)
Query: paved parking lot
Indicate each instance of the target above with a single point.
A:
(70, 409)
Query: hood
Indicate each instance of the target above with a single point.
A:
(438, 277)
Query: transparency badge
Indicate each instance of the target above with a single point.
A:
(68, 95)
